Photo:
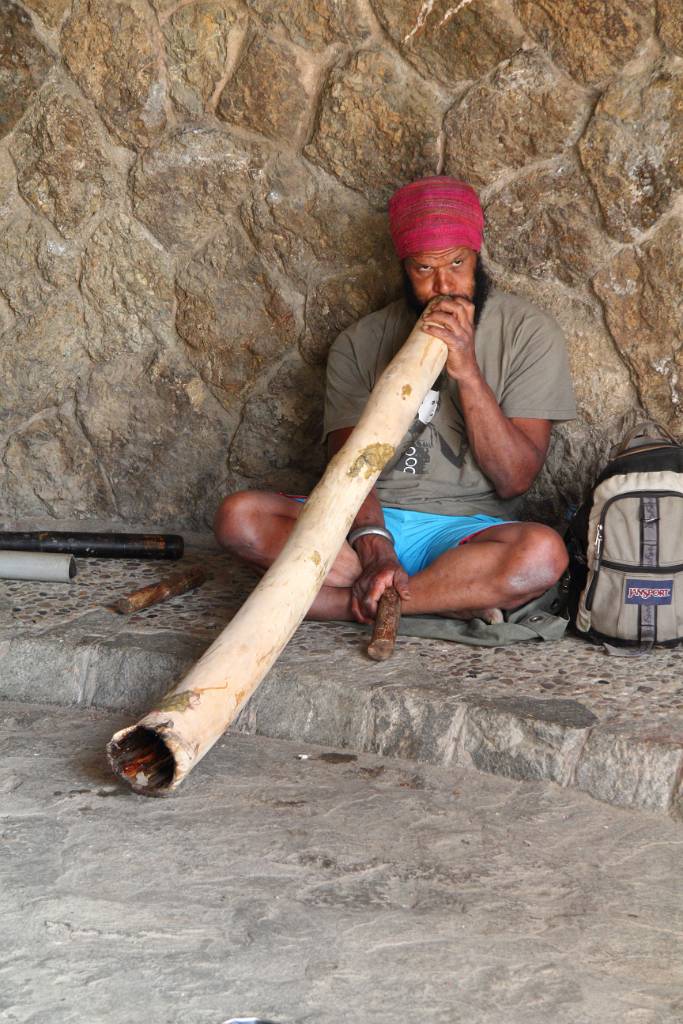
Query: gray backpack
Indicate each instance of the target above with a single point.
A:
(626, 547)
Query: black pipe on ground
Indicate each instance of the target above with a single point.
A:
(96, 545)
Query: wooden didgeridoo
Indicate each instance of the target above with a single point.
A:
(154, 755)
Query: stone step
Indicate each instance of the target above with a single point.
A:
(322, 890)
(563, 712)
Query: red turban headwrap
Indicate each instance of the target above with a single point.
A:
(433, 214)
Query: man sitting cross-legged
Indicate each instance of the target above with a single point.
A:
(439, 525)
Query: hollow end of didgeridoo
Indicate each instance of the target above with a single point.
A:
(143, 761)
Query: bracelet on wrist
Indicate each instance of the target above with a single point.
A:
(363, 531)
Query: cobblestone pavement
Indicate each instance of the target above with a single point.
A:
(326, 890)
(560, 711)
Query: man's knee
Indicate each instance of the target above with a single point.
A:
(236, 517)
(538, 561)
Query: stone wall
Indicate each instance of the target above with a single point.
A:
(191, 205)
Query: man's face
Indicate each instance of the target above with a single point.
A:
(449, 272)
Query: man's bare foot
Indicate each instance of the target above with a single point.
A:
(345, 570)
(490, 615)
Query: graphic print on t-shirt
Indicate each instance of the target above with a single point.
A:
(415, 458)
(423, 438)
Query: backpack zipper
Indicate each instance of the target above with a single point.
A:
(651, 570)
(600, 532)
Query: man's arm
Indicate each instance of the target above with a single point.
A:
(381, 567)
(510, 452)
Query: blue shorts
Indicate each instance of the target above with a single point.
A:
(420, 537)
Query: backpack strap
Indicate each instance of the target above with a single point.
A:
(645, 428)
(625, 652)
(647, 613)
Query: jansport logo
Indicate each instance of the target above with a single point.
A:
(647, 592)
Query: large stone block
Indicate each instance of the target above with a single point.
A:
(590, 38)
(60, 154)
(231, 314)
(33, 377)
(314, 23)
(278, 442)
(52, 470)
(524, 737)
(624, 768)
(24, 63)
(309, 225)
(49, 11)
(641, 291)
(164, 7)
(328, 241)
(160, 437)
(545, 224)
(59, 261)
(450, 41)
(196, 176)
(378, 126)
(128, 280)
(337, 302)
(531, 111)
(20, 237)
(267, 93)
(633, 148)
(33, 258)
(411, 722)
(112, 51)
(198, 39)
(670, 25)
(602, 380)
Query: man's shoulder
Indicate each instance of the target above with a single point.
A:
(371, 342)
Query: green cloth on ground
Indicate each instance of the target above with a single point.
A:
(540, 619)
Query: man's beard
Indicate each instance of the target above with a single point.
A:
(482, 287)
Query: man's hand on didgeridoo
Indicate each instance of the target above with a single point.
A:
(452, 320)
(375, 578)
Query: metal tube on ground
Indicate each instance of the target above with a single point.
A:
(29, 565)
(154, 755)
(96, 545)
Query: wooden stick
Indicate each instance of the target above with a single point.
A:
(155, 593)
(196, 712)
(383, 640)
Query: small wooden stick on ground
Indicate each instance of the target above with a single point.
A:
(180, 583)
(381, 645)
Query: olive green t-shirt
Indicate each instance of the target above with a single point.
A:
(522, 355)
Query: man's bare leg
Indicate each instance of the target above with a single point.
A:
(255, 526)
(501, 567)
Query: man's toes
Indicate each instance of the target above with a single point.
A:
(490, 615)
